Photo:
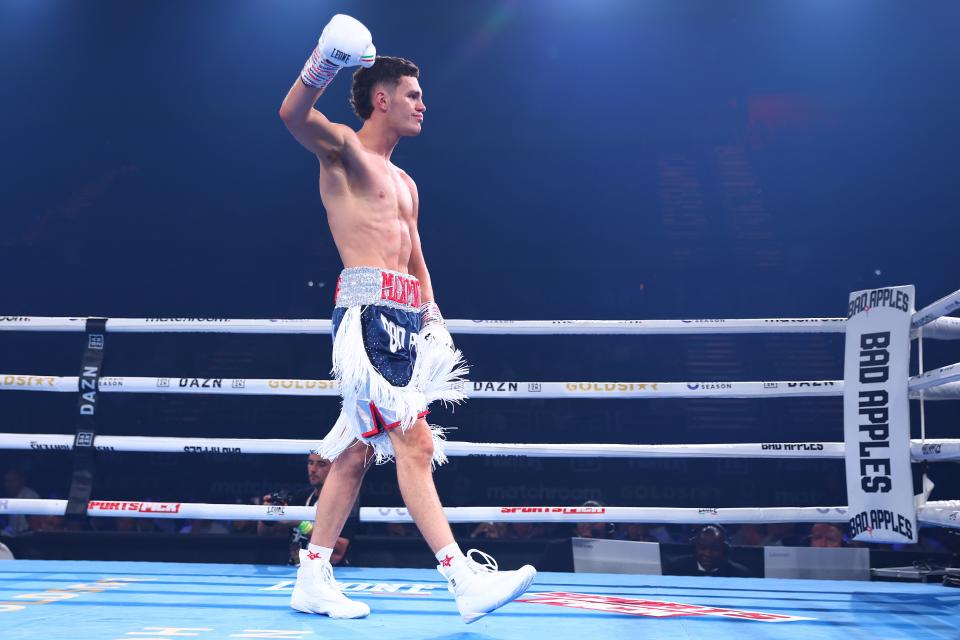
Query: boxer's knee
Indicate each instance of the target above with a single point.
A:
(354, 461)
(415, 445)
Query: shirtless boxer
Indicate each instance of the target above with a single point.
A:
(392, 353)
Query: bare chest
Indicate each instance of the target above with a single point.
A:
(372, 185)
(371, 209)
(386, 189)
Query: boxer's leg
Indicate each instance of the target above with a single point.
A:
(315, 590)
(414, 458)
(338, 494)
(478, 587)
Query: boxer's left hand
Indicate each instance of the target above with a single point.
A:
(437, 333)
(433, 326)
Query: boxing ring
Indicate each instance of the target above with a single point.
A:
(70, 600)
(162, 600)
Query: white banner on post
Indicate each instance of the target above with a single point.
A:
(876, 416)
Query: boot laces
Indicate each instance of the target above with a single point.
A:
(484, 564)
(326, 575)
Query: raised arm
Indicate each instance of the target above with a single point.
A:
(345, 42)
(311, 128)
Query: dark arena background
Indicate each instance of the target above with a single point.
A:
(602, 159)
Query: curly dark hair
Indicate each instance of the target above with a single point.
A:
(387, 69)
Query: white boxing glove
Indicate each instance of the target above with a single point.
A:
(438, 334)
(432, 325)
(345, 42)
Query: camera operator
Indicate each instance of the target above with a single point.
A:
(299, 532)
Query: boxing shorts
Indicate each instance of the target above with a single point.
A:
(387, 376)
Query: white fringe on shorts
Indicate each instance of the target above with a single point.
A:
(438, 374)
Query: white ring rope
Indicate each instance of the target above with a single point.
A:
(942, 378)
(932, 512)
(678, 515)
(945, 305)
(936, 377)
(937, 328)
(474, 389)
(932, 450)
(947, 391)
(943, 381)
(945, 513)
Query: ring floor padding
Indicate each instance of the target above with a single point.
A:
(149, 601)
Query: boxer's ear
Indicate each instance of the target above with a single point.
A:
(381, 98)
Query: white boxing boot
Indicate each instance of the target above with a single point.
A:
(480, 588)
(317, 592)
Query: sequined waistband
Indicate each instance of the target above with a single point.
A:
(369, 285)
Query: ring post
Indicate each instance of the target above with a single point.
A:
(84, 452)
(876, 415)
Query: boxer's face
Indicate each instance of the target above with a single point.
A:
(405, 107)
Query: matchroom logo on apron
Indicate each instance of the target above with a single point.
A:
(876, 416)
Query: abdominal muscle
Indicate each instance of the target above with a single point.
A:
(369, 236)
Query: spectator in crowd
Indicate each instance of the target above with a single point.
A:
(783, 534)
(750, 535)
(525, 530)
(827, 535)
(15, 486)
(490, 531)
(665, 533)
(711, 547)
(600, 530)
(635, 532)
(299, 532)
